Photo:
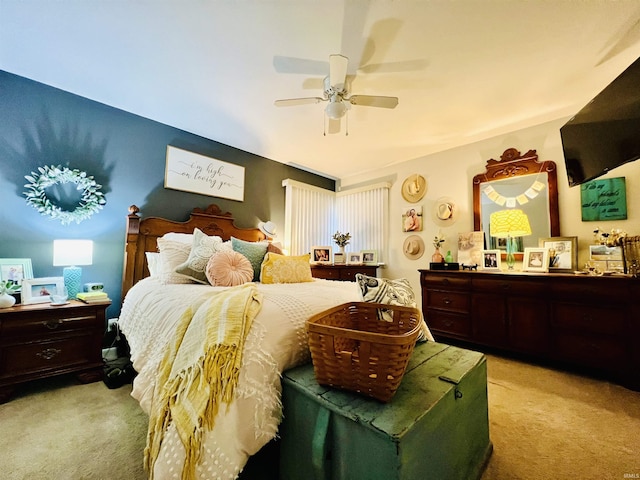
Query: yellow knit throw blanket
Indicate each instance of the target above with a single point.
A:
(200, 371)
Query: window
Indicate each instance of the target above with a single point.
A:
(313, 215)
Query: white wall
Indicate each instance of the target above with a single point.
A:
(451, 173)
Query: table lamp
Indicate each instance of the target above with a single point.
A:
(509, 224)
(70, 254)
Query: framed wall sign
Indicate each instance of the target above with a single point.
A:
(191, 172)
(604, 200)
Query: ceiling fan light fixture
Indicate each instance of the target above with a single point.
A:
(336, 110)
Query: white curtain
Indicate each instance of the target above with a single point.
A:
(309, 217)
(313, 215)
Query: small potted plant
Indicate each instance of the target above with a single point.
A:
(7, 289)
(342, 240)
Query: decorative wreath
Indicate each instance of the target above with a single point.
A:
(91, 201)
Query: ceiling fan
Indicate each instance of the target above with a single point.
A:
(337, 94)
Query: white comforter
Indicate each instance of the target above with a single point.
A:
(277, 341)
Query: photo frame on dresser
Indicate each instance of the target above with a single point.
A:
(354, 258)
(563, 253)
(321, 254)
(39, 290)
(15, 269)
(369, 257)
(535, 260)
(490, 260)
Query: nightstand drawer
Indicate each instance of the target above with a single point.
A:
(29, 358)
(45, 325)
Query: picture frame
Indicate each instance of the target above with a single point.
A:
(491, 260)
(338, 258)
(412, 218)
(15, 269)
(354, 258)
(470, 246)
(38, 290)
(535, 260)
(563, 253)
(321, 254)
(605, 253)
(369, 257)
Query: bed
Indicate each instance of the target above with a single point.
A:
(154, 315)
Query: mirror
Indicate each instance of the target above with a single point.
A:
(517, 181)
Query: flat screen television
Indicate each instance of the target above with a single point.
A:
(606, 133)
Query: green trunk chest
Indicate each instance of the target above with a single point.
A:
(436, 426)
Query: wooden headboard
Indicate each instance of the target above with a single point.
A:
(142, 235)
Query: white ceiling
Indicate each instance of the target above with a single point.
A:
(463, 70)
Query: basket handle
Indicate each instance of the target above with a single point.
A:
(319, 445)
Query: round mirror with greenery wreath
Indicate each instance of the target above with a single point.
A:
(46, 189)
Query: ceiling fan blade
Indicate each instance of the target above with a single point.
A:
(289, 102)
(338, 71)
(373, 101)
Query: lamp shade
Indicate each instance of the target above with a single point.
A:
(72, 252)
(509, 223)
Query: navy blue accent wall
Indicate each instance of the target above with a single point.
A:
(41, 125)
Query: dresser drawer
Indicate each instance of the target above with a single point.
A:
(505, 285)
(440, 281)
(607, 320)
(46, 325)
(326, 273)
(448, 323)
(602, 353)
(449, 301)
(31, 358)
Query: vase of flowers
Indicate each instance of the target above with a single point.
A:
(342, 240)
(7, 289)
(437, 256)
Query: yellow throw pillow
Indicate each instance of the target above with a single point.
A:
(285, 269)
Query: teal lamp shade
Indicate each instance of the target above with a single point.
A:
(509, 224)
(71, 254)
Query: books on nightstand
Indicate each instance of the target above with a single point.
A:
(93, 297)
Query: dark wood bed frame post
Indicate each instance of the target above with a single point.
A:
(131, 240)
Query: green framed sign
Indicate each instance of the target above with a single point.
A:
(604, 200)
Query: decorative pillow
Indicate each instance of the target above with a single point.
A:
(254, 251)
(202, 248)
(284, 269)
(172, 254)
(274, 248)
(390, 292)
(227, 268)
(153, 263)
(179, 237)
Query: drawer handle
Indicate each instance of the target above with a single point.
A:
(447, 301)
(505, 286)
(49, 353)
(588, 318)
(445, 281)
(52, 324)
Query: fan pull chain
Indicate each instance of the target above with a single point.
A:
(346, 126)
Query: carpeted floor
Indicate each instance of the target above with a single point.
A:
(545, 424)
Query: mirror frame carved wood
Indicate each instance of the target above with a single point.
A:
(512, 164)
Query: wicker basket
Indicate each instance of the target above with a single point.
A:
(353, 349)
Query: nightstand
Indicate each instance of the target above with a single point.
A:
(40, 340)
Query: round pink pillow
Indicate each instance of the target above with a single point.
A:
(227, 268)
